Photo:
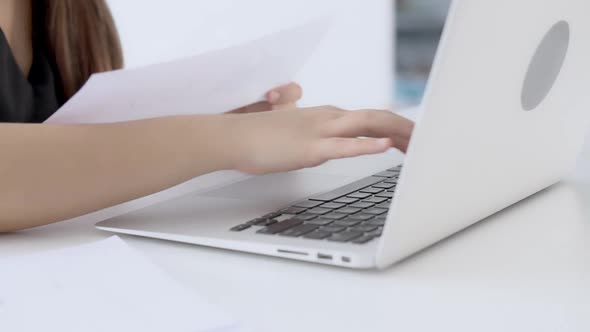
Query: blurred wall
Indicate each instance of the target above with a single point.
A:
(353, 67)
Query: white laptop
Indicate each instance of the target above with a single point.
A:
(504, 116)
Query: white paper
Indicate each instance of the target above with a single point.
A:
(213, 82)
(103, 286)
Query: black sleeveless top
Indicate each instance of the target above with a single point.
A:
(27, 99)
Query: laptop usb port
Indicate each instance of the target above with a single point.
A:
(324, 256)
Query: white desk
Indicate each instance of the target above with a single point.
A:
(525, 269)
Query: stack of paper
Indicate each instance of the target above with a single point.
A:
(104, 286)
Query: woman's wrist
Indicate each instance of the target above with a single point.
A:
(214, 141)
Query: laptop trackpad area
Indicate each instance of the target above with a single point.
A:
(280, 188)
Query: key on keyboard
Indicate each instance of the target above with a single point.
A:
(353, 213)
(347, 189)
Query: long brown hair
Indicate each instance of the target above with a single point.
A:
(80, 37)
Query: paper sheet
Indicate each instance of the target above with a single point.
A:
(213, 82)
(103, 286)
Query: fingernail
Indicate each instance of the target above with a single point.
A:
(384, 142)
(273, 97)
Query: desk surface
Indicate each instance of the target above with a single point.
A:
(524, 269)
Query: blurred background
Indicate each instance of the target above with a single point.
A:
(419, 26)
(353, 68)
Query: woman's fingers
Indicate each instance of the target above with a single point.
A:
(337, 148)
(285, 95)
(401, 144)
(370, 123)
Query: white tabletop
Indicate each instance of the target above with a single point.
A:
(525, 269)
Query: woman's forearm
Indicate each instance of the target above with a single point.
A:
(54, 172)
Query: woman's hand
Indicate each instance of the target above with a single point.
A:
(283, 97)
(270, 142)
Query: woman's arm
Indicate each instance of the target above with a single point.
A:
(50, 173)
(54, 172)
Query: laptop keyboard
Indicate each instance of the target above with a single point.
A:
(352, 213)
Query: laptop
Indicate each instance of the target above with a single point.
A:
(504, 116)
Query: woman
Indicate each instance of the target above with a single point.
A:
(49, 48)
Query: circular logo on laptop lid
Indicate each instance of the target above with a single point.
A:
(545, 66)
